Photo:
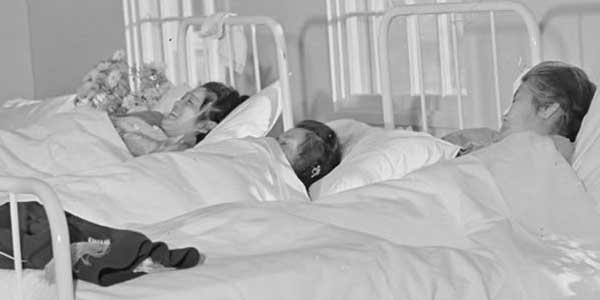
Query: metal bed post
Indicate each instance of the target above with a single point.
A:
(255, 58)
(456, 67)
(230, 54)
(58, 231)
(331, 40)
(495, 67)
(137, 42)
(421, 78)
(341, 45)
(278, 36)
(161, 36)
(446, 8)
(128, 36)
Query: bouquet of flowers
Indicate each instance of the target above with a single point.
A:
(153, 84)
(106, 87)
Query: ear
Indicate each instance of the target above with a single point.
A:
(545, 112)
(205, 126)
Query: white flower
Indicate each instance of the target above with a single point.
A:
(119, 55)
(113, 78)
(91, 76)
(103, 66)
(99, 99)
(129, 101)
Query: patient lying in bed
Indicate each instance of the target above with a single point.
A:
(552, 99)
(312, 149)
(190, 119)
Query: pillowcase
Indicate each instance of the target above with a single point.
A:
(255, 117)
(19, 113)
(371, 154)
(586, 159)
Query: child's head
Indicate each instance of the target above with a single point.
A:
(200, 110)
(553, 98)
(313, 150)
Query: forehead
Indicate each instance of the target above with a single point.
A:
(524, 91)
(297, 132)
(197, 93)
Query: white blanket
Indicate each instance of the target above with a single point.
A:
(63, 143)
(511, 221)
(155, 187)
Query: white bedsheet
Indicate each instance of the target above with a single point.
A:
(508, 222)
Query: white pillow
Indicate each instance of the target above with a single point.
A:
(255, 117)
(19, 113)
(371, 154)
(586, 159)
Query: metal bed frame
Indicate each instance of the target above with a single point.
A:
(282, 66)
(452, 9)
(58, 231)
(380, 49)
(134, 21)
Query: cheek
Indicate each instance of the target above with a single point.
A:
(518, 114)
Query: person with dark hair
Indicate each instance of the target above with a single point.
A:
(190, 120)
(312, 149)
(552, 99)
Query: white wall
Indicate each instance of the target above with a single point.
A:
(561, 21)
(16, 78)
(68, 37)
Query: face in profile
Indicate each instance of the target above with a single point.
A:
(182, 119)
(290, 142)
(522, 115)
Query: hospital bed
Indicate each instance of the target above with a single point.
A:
(360, 244)
(40, 135)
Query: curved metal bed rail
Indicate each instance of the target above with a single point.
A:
(58, 231)
(448, 8)
(279, 38)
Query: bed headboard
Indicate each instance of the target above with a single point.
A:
(450, 9)
(160, 33)
(185, 75)
(435, 57)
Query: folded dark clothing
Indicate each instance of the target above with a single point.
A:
(129, 254)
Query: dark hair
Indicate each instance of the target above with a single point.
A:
(318, 154)
(567, 85)
(224, 101)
